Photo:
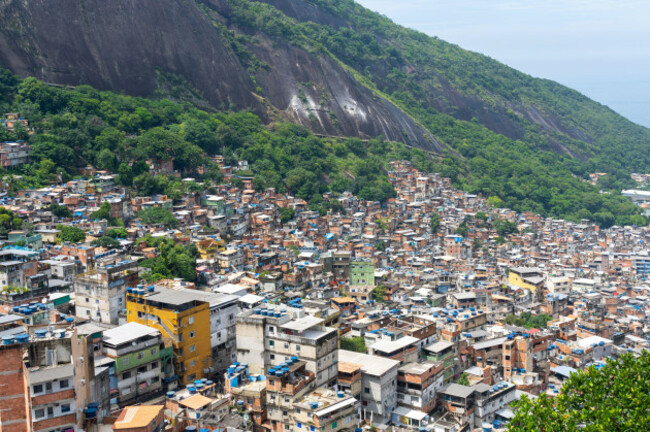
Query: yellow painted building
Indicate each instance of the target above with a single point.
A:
(184, 322)
(531, 279)
(209, 248)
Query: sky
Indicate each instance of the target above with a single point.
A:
(598, 47)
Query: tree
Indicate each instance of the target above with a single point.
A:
(117, 233)
(356, 344)
(286, 214)
(158, 216)
(463, 380)
(71, 234)
(60, 211)
(504, 228)
(378, 293)
(106, 160)
(435, 222)
(174, 260)
(106, 242)
(614, 398)
(462, 229)
(495, 202)
(103, 213)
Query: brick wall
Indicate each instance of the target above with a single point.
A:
(13, 401)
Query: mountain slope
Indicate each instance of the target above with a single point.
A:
(122, 45)
(341, 70)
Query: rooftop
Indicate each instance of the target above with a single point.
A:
(137, 416)
(389, 346)
(370, 364)
(302, 324)
(128, 332)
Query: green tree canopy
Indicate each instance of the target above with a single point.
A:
(71, 234)
(356, 344)
(158, 216)
(612, 399)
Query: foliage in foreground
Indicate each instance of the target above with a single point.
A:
(613, 399)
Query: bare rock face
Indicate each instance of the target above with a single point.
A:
(122, 45)
(119, 45)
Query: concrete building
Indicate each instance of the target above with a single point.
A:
(183, 320)
(379, 385)
(37, 388)
(285, 386)
(326, 410)
(268, 337)
(14, 153)
(362, 273)
(444, 352)
(417, 385)
(143, 418)
(139, 354)
(100, 292)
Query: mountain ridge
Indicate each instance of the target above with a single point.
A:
(339, 69)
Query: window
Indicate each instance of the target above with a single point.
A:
(126, 375)
(272, 356)
(297, 347)
(286, 346)
(142, 369)
(50, 411)
(192, 333)
(154, 365)
(192, 348)
(39, 413)
(366, 390)
(334, 425)
(190, 320)
(65, 408)
(64, 383)
(271, 343)
(140, 355)
(125, 361)
(38, 388)
(48, 386)
(192, 363)
(154, 351)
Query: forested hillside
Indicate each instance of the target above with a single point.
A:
(84, 126)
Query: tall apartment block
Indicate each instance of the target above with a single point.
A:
(270, 336)
(100, 291)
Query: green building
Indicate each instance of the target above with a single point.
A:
(362, 273)
(141, 361)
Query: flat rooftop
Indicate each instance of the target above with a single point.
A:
(370, 364)
(128, 332)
